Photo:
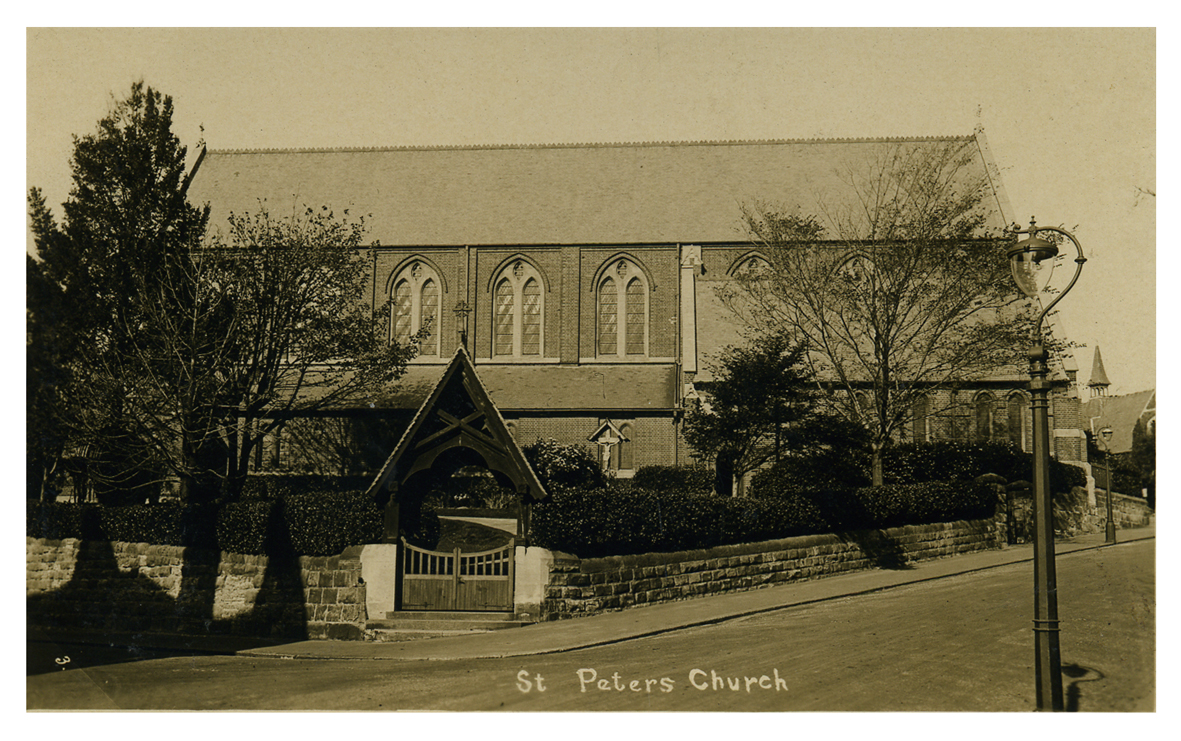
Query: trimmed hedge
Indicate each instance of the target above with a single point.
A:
(283, 485)
(242, 527)
(911, 464)
(308, 525)
(697, 479)
(324, 525)
(614, 521)
(950, 460)
(618, 521)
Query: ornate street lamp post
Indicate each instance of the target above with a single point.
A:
(1109, 531)
(1025, 259)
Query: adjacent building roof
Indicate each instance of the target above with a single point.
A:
(664, 193)
(1120, 413)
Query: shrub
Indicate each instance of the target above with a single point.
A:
(614, 521)
(242, 527)
(696, 479)
(326, 524)
(790, 477)
(143, 523)
(953, 460)
(283, 485)
(57, 521)
(563, 465)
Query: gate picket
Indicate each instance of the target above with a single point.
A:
(438, 580)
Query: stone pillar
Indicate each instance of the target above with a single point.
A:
(379, 571)
(531, 569)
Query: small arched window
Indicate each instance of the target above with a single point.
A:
(623, 311)
(416, 307)
(518, 312)
(627, 456)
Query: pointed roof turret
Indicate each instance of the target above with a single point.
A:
(1098, 383)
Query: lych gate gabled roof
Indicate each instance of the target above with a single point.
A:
(639, 193)
(458, 413)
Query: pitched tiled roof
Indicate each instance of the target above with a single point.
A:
(557, 194)
(583, 388)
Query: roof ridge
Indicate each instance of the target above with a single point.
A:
(591, 145)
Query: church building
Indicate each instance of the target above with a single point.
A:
(581, 278)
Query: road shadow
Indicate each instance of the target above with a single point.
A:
(1078, 675)
(884, 551)
(122, 615)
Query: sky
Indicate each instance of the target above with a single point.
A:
(1070, 114)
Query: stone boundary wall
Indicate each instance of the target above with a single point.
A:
(1129, 511)
(1073, 514)
(580, 587)
(136, 587)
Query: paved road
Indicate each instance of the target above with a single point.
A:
(959, 643)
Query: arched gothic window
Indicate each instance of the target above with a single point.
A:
(1017, 408)
(751, 266)
(416, 306)
(920, 429)
(518, 311)
(623, 311)
(864, 409)
(985, 410)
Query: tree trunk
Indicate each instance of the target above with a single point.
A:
(876, 465)
(724, 474)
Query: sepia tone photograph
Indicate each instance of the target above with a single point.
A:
(591, 369)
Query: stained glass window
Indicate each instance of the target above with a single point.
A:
(503, 338)
(402, 312)
(608, 318)
(430, 314)
(635, 317)
(416, 302)
(531, 319)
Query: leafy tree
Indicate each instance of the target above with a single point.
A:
(1143, 458)
(126, 220)
(757, 390)
(563, 465)
(178, 356)
(901, 292)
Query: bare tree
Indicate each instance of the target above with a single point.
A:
(301, 337)
(896, 288)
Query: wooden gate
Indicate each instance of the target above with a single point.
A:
(440, 580)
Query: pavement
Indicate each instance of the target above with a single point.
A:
(638, 622)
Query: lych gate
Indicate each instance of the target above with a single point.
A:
(457, 426)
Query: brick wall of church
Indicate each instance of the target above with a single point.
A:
(654, 437)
